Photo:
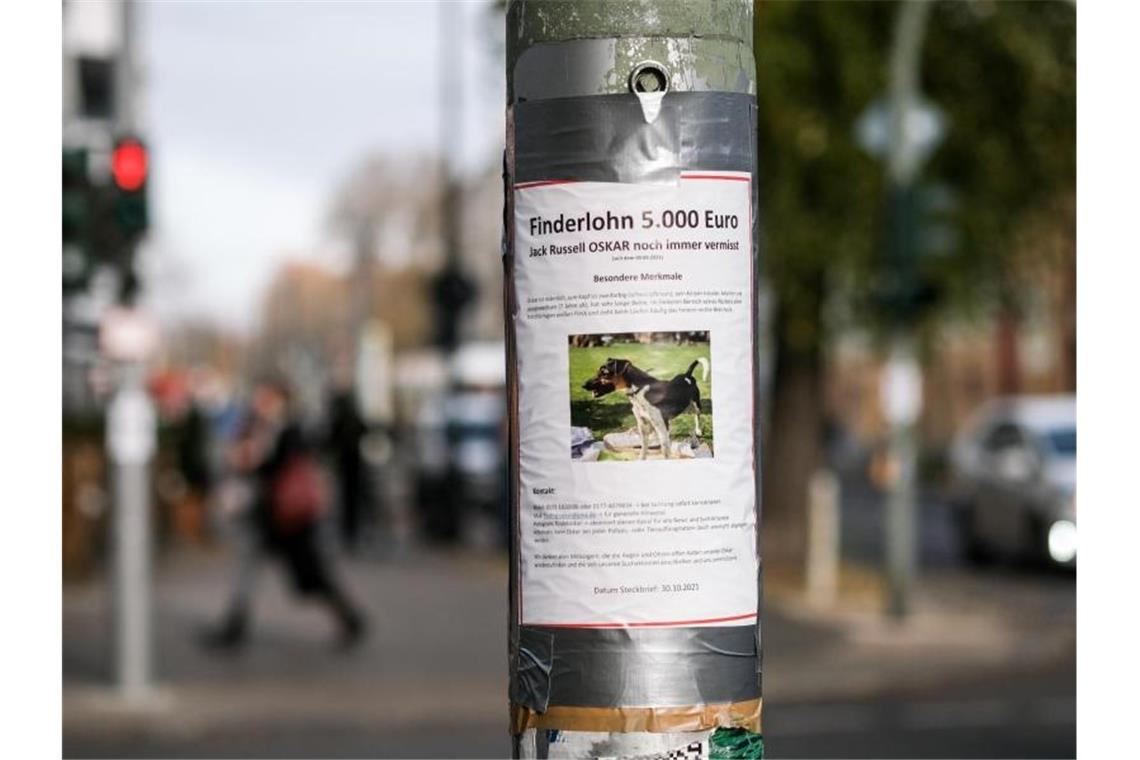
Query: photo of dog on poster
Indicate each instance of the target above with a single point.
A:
(640, 396)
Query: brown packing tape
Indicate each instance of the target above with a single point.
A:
(652, 719)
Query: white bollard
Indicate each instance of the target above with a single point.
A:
(823, 538)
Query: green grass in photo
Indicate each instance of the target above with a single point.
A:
(612, 412)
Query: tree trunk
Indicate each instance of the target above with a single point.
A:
(792, 451)
(1008, 353)
(1068, 315)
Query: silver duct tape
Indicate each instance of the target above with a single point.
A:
(533, 668)
(607, 138)
(662, 667)
(599, 66)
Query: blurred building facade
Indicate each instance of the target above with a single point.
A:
(311, 307)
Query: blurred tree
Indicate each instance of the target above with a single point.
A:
(389, 210)
(1004, 75)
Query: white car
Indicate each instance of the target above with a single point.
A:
(1015, 478)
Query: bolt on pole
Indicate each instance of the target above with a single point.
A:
(630, 272)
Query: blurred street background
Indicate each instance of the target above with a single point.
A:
(281, 245)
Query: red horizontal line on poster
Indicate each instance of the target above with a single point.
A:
(745, 616)
(731, 177)
(546, 182)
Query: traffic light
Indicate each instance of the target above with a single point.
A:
(919, 230)
(75, 192)
(130, 167)
(103, 220)
(451, 291)
(76, 218)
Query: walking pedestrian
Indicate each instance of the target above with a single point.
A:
(289, 499)
(346, 432)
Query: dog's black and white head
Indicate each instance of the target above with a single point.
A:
(609, 378)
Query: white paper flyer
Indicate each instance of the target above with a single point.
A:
(635, 361)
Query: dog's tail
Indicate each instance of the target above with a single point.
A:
(704, 368)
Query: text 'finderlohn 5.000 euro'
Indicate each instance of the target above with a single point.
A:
(679, 219)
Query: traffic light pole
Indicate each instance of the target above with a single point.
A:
(901, 389)
(631, 127)
(452, 289)
(131, 422)
(130, 443)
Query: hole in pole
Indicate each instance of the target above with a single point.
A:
(649, 77)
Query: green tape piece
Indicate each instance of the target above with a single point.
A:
(736, 744)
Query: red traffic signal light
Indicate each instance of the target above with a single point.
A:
(129, 164)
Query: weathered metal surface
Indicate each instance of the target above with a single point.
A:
(588, 47)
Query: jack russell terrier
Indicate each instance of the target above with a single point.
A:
(655, 402)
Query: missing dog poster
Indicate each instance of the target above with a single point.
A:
(633, 340)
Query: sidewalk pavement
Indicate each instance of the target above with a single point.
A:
(431, 677)
(964, 625)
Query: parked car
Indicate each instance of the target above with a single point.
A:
(1015, 480)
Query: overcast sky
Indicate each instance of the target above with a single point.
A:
(256, 110)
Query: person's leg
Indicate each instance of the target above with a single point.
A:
(351, 619)
(234, 627)
(312, 565)
(246, 576)
(349, 505)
